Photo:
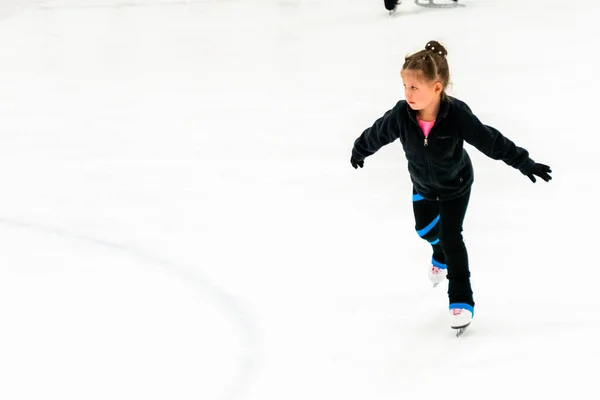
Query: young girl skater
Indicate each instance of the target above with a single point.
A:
(432, 128)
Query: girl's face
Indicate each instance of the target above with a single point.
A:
(419, 93)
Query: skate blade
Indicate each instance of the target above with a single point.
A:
(461, 329)
(435, 285)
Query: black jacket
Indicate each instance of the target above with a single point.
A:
(440, 167)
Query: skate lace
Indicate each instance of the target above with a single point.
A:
(435, 270)
(456, 311)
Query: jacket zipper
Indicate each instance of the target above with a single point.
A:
(426, 143)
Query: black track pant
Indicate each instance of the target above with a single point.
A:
(441, 224)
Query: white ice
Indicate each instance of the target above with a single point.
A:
(179, 218)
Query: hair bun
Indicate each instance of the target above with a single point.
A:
(436, 47)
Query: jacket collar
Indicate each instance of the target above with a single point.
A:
(444, 107)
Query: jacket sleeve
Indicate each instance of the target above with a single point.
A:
(493, 144)
(385, 130)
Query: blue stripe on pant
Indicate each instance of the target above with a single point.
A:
(424, 232)
(418, 197)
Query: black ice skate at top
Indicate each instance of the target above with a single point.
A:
(390, 5)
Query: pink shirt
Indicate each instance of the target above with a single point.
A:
(426, 126)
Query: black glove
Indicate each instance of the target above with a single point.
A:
(356, 163)
(540, 170)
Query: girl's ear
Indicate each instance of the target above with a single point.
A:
(438, 87)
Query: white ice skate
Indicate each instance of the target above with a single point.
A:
(461, 315)
(437, 272)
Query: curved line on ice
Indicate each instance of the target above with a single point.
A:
(248, 365)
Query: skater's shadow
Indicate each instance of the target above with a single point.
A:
(413, 9)
(409, 11)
